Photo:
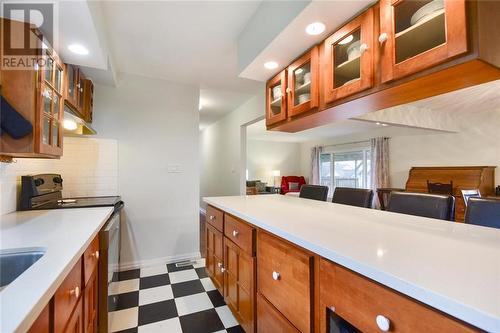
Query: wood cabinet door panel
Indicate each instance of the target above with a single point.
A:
(454, 34)
(294, 107)
(216, 218)
(360, 300)
(240, 233)
(270, 320)
(285, 279)
(42, 323)
(276, 106)
(339, 80)
(90, 260)
(67, 296)
(75, 322)
(90, 304)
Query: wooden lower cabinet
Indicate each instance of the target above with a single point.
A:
(239, 287)
(75, 322)
(350, 297)
(42, 323)
(214, 256)
(270, 320)
(90, 304)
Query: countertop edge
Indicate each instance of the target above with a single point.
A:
(440, 302)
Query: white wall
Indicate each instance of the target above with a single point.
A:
(89, 167)
(476, 143)
(266, 156)
(222, 150)
(156, 125)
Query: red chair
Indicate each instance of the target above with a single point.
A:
(286, 180)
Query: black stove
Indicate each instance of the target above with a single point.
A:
(44, 191)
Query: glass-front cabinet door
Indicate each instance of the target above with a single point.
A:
(276, 99)
(50, 110)
(72, 82)
(418, 34)
(348, 59)
(303, 80)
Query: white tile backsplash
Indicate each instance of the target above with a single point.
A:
(89, 167)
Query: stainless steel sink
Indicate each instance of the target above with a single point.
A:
(14, 262)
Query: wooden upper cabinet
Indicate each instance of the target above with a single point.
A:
(347, 59)
(418, 34)
(88, 100)
(276, 99)
(72, 81)
(303, 80)
(50, 107)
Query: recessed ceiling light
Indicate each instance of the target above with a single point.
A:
(315, 28)
(78, 49)
(346, 40)
(271, 65)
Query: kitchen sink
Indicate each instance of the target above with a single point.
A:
(15, 261)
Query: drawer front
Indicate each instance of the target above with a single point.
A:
(91, 259)
(270, 320)
(360, 300)
(215, 217)
(240, 233)
(284, 279)
(67, 297)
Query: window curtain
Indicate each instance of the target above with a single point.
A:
(315, 157)
(380, 166)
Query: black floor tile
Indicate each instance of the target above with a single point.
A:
(187, 288)
(202, 272)
(126, 275)
(172, 268)
(203, 321)
(154, 281)
(129, 330)
(235, 329)
(216, 298)
(123, 301)
(154, 312)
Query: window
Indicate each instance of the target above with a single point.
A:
(348, 167)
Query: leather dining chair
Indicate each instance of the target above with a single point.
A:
(421, 204)
(440, 188)
(467, 194)
(483, 212)
(315, 192)
(359, 197)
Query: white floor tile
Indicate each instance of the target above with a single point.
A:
(121, 287)
(156, 294)
(226, 316)
(207, 284)
(172, 325)
(153, 270)
(199, 263)
(182, 276)
(123, 319)
(193, 303)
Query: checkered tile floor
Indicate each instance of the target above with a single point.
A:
(168, 299)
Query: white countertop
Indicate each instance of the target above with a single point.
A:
(452, 267)
(63, 234)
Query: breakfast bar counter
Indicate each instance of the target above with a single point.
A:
(452, 267)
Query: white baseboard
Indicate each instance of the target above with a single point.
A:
(159, 261)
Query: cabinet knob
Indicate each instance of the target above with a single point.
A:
(276, 276)
(78, 85)
(383, 38)
(222, 269)
(383, 323)
(75, 292)
(219, 264)
(363, 48)
(95, 254)
(288, 90)
(81, 89)
(235, 233)
(211, 217)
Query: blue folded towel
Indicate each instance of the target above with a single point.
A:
(12, 122)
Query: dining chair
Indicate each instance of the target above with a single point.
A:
(315, 192)
(467, 194)
(436, 206)
(440, 188)
(484, 212)
(359, 197)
